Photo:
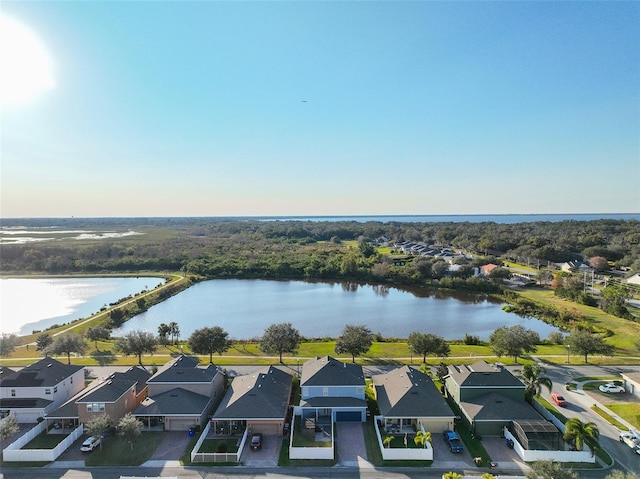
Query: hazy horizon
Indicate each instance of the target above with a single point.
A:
(287, 109)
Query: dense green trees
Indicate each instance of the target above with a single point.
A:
(67, 344)
(423, 344)
(43, 341)
(304, 249)
(586, 343)
(280, 338)
(513, 341)
(97, 333)
(129, 428)
(208, 341)
(137, 343)
(97, 425)
(8, 343)
(355, 340)
(8, 427)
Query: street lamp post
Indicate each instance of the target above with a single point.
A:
(568, 350)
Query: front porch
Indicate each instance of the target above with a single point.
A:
(61, 425)
(399, 425)
(227, 428)
(151, 423)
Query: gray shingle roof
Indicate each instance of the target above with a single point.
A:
(184, 369)
(175, 402)
(327, 371)
(46, 372)
(262, 395)
(26, 403)
(115, 385)
(109, 391)
(408, 393)
(483, 374)
(496, 407)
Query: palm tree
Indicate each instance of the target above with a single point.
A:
(533, 379)
(421, 438)
(174, 330)
(582, 433)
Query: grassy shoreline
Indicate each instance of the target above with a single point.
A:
(392, 351)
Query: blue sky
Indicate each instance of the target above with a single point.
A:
(327, 108)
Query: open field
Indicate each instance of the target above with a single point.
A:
(625, 332)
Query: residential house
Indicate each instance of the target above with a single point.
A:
(632, 383)
(575, 266)
(181, 395)
(489, 397)
(486, 269)
(635, 279)
(258, 402)
(409, 401)
(332, 391)
(38, 389)
(118, 394)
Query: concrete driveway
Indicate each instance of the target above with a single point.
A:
(172, 446)
(350, 446)
(265, 457)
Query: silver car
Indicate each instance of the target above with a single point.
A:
(90, 444)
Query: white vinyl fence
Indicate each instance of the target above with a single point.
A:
(216, 456)
(14, 452)
(406, 453)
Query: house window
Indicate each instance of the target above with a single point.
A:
(13, 393)
(47, 391)
(305, 391)
(55, 389)
(95, 407)
(71, 379)
(360, 391)
(325, 391)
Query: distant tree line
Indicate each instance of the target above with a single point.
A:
(220, 248)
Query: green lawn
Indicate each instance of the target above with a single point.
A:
(118, 452)
(45, 441)
(628, 411)
(625, 331)
(219, 445)
(303, 440)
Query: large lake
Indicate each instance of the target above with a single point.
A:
(30, 304)
(244, 308)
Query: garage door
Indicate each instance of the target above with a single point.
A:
(348, 416)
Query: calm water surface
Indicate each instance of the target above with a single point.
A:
(28, 304)
(244, 308)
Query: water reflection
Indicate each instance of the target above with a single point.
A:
(244, 308)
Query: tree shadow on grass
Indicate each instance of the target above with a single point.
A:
(104, 358)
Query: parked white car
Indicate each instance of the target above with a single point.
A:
(631, 439)
(611, 388)
(90, 444)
